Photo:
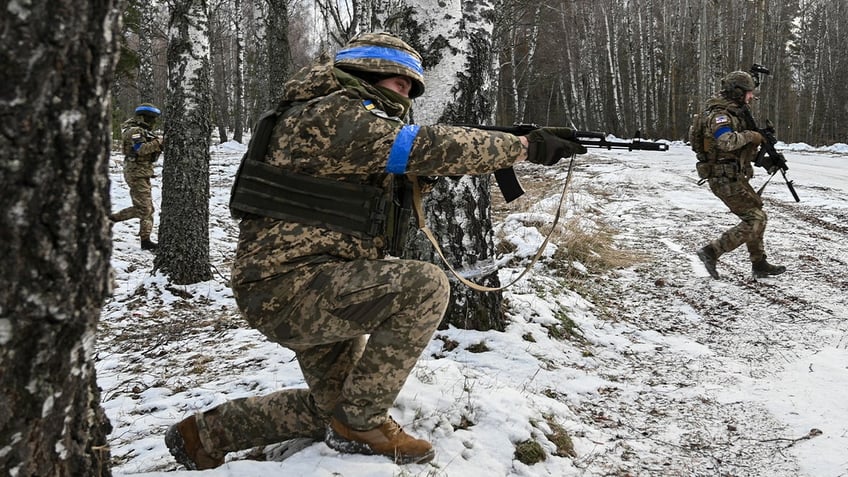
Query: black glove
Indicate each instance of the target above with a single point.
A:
(548, 145)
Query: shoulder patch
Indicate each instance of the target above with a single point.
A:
(722, 119)
(372, 108)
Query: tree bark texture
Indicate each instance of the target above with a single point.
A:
(183, 252)
(279, 51)
(458, 61)
(58, 59)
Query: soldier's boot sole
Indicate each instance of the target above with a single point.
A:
(709, 262)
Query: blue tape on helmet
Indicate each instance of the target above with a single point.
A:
(401, 148)
(381, 53)
(147, 109)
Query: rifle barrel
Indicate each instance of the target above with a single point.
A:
(595, 139)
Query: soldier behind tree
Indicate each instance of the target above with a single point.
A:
(309, 278)
(726, 147)
(141, 149)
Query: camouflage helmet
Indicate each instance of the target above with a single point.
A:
(737, 83)
(382, 54)
(147, 109)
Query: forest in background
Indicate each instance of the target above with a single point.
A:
(609, 69)
(611, 65)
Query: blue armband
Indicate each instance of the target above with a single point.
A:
(722, 130)
(401, 148)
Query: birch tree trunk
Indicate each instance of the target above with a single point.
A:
(279, 51)
(256, 61)
(55, 245)
(183, 252)
(146, 81)
(458, 57)
(219, 22)
(238, 86)
(533, 42)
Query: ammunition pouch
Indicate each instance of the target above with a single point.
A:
(266, 190)
(399, 215)
(704, 169)
(364, 211)
(723, 168)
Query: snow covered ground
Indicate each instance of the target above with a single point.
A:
(671, 373)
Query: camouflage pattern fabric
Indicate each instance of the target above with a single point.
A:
(331, 132)
(323, 313)
(142, 204)
(742, 200)
(141, 149)
(731, 155)
(320, 292)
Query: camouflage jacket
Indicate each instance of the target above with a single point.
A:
(141, 148)
(730, 134)
(340, 128)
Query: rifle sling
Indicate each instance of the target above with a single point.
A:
(266, 190)
(419, 215)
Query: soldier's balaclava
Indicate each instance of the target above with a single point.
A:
(379, 55)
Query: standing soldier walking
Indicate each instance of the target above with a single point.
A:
(726, 146)
(141, 149)
(319, 212)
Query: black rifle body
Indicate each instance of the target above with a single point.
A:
(767, 150)
(508, 182)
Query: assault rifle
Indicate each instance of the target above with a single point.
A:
(768, 157)
(508, 182)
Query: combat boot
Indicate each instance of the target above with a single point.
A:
(183, 441)
(763, 269)
(387, 439)
(147, 244)
(708, 255)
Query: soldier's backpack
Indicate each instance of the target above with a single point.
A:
(696, 134)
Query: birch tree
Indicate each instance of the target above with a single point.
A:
(278, 49)
(238, 84)
(54, 235)
(146, 32)
(219, 24)
(459, 62)
(183, 252)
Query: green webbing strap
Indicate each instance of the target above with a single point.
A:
(419, 215)
(266, 190)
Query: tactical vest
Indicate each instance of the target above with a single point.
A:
(710, 163)
(362, 210)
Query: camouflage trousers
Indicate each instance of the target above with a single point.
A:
(323, 313)
(142, 205)
(738, 195)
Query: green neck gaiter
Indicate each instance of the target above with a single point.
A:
(394, 104)
(396, 98)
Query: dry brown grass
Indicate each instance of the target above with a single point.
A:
(593, 246)
(583, 238)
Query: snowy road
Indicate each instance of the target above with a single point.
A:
(773, 363)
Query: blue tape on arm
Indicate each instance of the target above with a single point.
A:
(399, 155)
(722, 130)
